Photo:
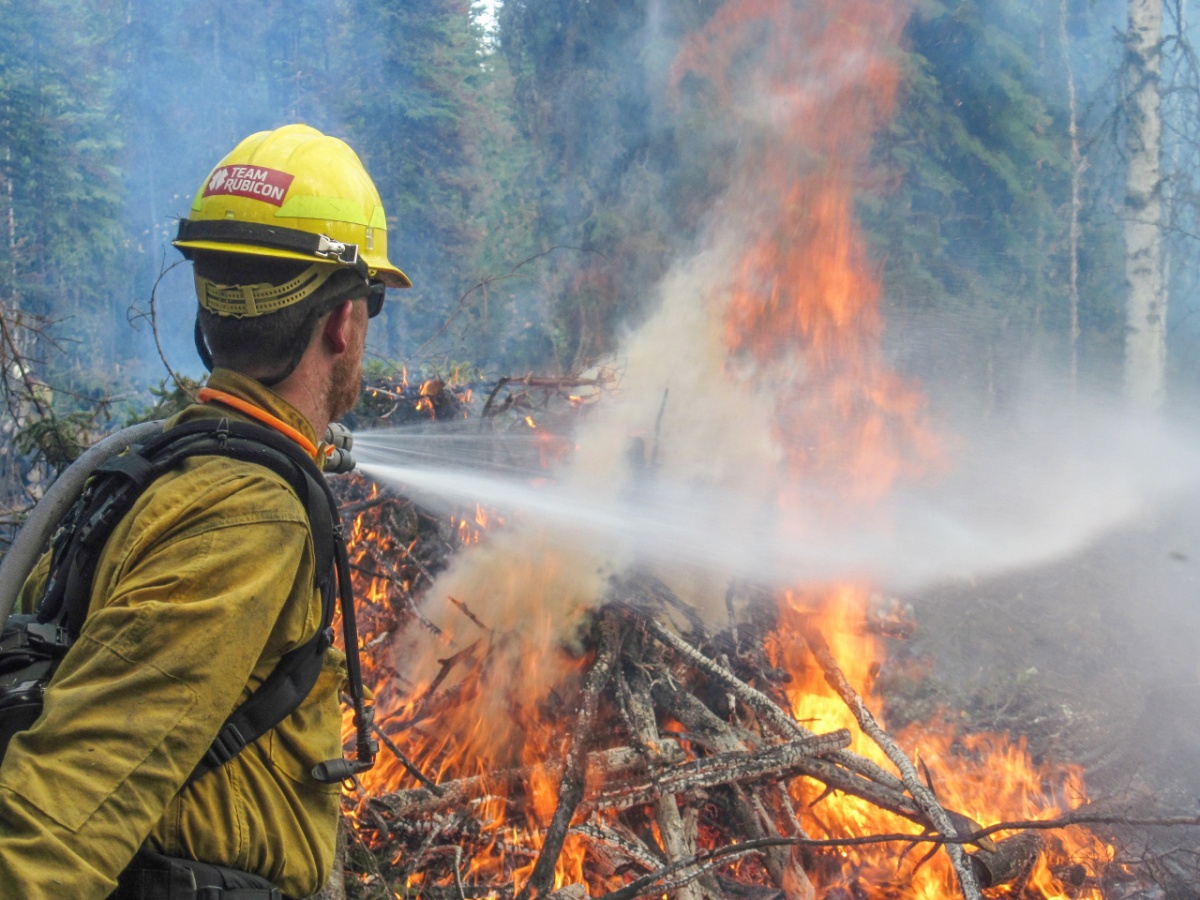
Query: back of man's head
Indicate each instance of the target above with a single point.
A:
(270, 345)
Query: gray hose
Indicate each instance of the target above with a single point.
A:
(31, 541)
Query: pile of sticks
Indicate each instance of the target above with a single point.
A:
(680, 752)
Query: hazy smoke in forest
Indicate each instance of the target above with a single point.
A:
(680, 471)
(1026, 481)
(1019, 488)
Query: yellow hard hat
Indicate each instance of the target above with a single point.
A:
(293, 193)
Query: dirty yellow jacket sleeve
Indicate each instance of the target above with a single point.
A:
(211, 582)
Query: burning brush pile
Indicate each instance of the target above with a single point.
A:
(654, 676)
(674, 760)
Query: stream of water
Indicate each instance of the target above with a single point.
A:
(1006, 504)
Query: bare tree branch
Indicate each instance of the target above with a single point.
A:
(485, 283)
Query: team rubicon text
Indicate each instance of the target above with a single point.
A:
(255, 182)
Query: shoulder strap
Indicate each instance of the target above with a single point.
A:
(276, 698)
(117, 484)
(112, 492)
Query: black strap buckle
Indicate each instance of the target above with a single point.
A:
(228, 743)
(49, 635)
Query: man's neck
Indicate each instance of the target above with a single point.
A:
(310, 399)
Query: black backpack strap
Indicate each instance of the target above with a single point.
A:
(117, 484)
(111, 494)
(297, 671)
(274, 700)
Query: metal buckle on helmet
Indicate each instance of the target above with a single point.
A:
(329, 248)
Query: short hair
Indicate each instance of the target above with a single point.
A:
(269, 343)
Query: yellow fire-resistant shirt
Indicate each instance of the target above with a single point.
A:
(199, 592)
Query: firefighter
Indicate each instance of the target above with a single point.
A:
(209, 580)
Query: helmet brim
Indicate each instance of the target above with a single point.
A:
(392, 277)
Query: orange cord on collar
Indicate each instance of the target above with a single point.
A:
(208, 395)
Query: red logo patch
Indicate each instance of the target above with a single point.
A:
(255, 182)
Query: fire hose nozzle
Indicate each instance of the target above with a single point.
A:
(338, 442)
(335, 771)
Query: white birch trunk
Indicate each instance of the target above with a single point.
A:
(1146, 335)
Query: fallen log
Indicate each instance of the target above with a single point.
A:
(1011, 862)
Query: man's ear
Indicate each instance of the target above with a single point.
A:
(336, 330)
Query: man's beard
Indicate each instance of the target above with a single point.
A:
(344, 386)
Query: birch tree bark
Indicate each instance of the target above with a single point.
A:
(1146, 320)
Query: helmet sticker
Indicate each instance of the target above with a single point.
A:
(254, 182)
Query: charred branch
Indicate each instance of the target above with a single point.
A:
(602, 766)
(923, 796)
(736, 767)
(721, 736)
(766, 709)
(622, 841)
(639, 714)
(782, 723)
(571, 788)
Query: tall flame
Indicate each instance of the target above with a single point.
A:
(819, 82)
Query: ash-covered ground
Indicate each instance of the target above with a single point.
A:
(1093, 658)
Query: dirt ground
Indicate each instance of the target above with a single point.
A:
(1094, 658)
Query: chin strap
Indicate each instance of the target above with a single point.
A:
(201, 346)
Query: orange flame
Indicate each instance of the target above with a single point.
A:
(805, 304)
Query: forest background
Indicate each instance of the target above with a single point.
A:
(540, 176)
(543, 171)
